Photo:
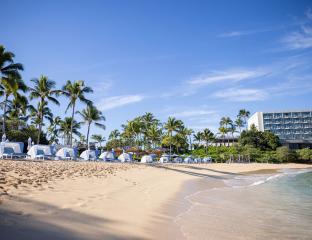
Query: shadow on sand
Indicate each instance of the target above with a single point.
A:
(197, 174)
(55, 223)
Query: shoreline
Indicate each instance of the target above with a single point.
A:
(114, 201)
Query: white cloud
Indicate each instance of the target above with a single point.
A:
(226, 75)
(118, 101)
(302, 38)
(241, 94)
(242, 33)
(309, 13)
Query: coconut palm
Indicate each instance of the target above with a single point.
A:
(38, 114)
(44, 91)
(154, 134)
(172, 125)
(134, 128)
(7, 65)
(187, 133)
(207, 137)
(244, 114)
(18, 108)
(75, 91)
(53, 129)
(98, 138)
(198, 137)
(232, 130)
(223, 131)
(226, 122)
(239, 123)
(10, 86)
(114, 135)
(92, 115)
(69, 127)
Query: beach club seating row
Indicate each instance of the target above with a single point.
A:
(47, 152)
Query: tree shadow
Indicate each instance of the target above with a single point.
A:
(55, 223)
(212, 170)
(196, 174)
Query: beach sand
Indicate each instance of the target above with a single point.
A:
(90, 200)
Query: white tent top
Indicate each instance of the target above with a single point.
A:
(164, 159)
(16, 146)
(125, 157)
(88, 155)
(66, 152)
(146, 159)
(107, 156)
(188, 160)
(39, 150)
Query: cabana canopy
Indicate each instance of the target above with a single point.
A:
(125, 157)
(146, 159)
(42, 150)
(107, 156)
(88, 155)
(65, 153)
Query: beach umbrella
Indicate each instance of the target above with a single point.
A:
(29, 143)
(3, 137)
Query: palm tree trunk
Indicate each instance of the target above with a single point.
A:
(71, 126)
(170, 146)
(39, 133)
(4, 113)
(88, 134)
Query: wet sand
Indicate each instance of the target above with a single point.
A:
(79, 200)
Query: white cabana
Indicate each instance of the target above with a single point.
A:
(88, 155)
(11, 149)
(66, 153)
(107, 156)
(188, 160)
(146, 159)
(40, 151)
(178, 159)
(164, 159)
(207, 160)
(125, 157)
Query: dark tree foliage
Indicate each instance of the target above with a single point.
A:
(262, 140)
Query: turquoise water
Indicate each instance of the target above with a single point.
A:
(263, 206)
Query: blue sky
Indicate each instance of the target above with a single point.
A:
(196, 60)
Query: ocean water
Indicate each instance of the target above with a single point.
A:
(259, 206)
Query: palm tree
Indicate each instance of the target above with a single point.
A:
(10, 86)
(232, 129)
(172, 125)
(226, 122)
(98, 138)
(43, 90)
(239, 123)
(18, 109)
(7, 65)
(207, 136)
(114, 135)
(223, 131)
(198, 137)
(154, 134)
(134, 128)
(244, 114)
(38, 114)
(69, 127)
(75, 91)
(92, 115)
(53, 129)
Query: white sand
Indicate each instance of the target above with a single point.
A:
(60, 200)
